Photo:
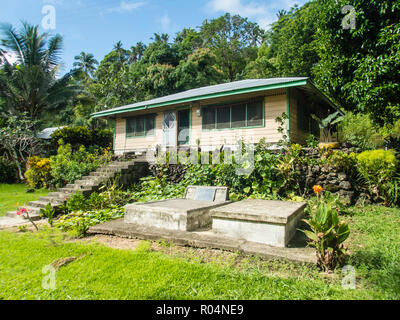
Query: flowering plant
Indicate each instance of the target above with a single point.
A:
(327, 233)
(25, 212)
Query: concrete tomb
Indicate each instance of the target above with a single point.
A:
(268, 222)
(188, 214)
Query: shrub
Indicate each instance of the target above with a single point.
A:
(68, 166)
(79, 222)
(77, 136)
(345, 162)
(378, 167)
(8, 171)
(77, 202)
(359, 130)
(38, 174)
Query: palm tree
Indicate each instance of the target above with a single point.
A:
(32, 83)
(86, 63)
(136, 52)
(121, 52)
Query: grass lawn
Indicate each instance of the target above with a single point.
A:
(101, 272)
(11, 194)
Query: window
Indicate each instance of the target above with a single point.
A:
(254, 115)
(208, 118)
(223, 118)
(241, 115)
(140, 126)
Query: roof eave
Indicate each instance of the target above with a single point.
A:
(296, 83)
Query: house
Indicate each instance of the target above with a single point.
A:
(221, 115)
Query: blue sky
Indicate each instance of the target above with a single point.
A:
(96, 25)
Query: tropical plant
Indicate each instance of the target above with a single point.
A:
(327, 236)
(38, 174)
(33, 83)
(328, 124)
(378, 167)
(48, 212)
(359, 130)
(358, 65)
(68, 166)
(327, 233)
(86, 64)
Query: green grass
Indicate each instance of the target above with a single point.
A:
(11, 194)
(105, 273)
(375, 247)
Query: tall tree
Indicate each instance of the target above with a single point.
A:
(32, 84)
(289, 49)
(234, 41)
(359, 64)
(136, 52)
(86, 63)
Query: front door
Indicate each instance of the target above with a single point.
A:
(169, 129)
(184, 127)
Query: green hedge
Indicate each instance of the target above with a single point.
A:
(77, 136)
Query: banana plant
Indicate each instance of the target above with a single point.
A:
(328, 124)
(327, 236)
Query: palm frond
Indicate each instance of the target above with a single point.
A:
(12, 41)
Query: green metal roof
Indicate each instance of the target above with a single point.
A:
(220, 90)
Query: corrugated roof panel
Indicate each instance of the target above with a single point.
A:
(204, 91)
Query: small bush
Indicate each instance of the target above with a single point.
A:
(359, 130)
(378, 167)
(77, 136)
(343, 161)
(68, 166)
(8, 171)
(38, 174)
(79, 222)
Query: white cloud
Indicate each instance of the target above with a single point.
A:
(264, 13)
(128, 6)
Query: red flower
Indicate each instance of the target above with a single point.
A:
(22, 211)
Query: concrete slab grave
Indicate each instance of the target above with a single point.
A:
(188, 214)
(263, 221)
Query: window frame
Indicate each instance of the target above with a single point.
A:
(146, 132)
(232, 105)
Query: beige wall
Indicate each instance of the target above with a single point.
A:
(275, 105)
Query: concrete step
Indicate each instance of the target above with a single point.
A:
(53, 200)
(7, 222)
(59, 195)
(42, 204)
(34, 213)
(97, 174)
(86, 183)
